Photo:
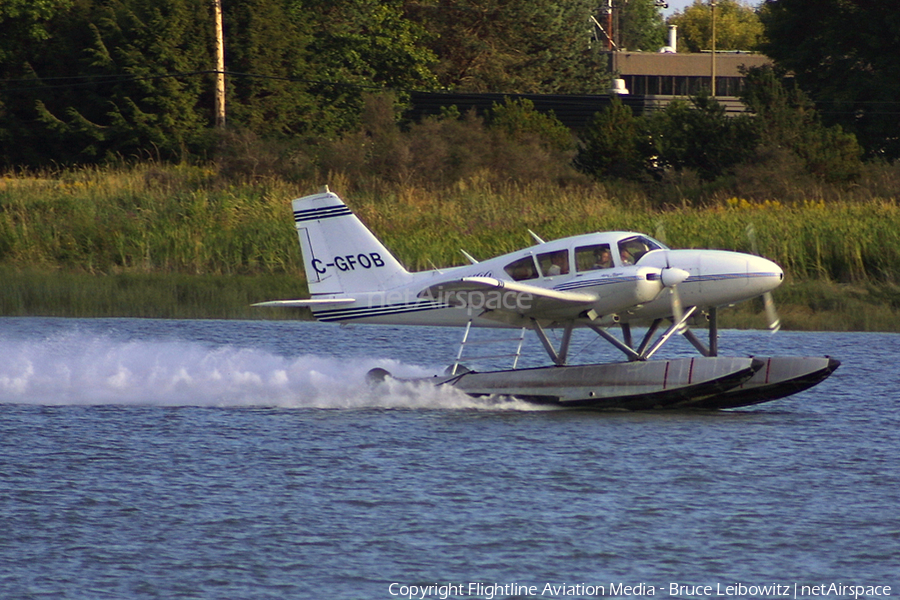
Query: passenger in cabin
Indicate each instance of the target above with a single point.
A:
(626, 257)
(604, 258)
(559, 264)
(596, 256)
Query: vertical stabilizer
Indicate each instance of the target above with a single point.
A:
(339, 253)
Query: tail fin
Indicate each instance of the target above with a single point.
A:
(339, 253)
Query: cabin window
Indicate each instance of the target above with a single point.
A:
(554, 263)
(632, 249)
(522, 269)
(596, 256)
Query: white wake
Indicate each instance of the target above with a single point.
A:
(82, 369)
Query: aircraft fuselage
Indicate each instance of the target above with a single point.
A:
(622, 270)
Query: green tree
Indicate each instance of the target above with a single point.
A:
(358, 47)
(641, 26)
(701, 137)
(513, 46)
(786, 119)
(738, 27)
(24, 25)
(610, 146)
(366, 42)
(130, 104)
(846, 56)
(268, 53)
(521, 121)
(131, 77)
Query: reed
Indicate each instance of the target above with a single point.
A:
(841, 242)
(145, 220)
(818, 305)
(151, 240)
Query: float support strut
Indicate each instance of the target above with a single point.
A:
(559, 358)
(624, 347)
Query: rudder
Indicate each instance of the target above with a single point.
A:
(340, 254)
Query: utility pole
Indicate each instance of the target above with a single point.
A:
(611, 44)
(220, 66)
(617, 86)
(712, 4)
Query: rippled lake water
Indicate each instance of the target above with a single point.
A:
(199, 459)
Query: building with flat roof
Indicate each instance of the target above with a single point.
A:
(662, 76)
(652, 80)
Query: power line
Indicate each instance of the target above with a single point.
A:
(878, 107)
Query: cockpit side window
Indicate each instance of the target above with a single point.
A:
(632, 249)
(522, 269)
(596, 256)
(554, 263)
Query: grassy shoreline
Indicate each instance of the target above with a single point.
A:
(145, 295)
(180, 242)
(803, 306)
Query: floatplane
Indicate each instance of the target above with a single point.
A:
(599, 281)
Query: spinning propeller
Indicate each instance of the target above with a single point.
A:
(774, 321)
(671, 277)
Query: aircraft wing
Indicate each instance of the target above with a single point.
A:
(309, 302)
(491, 294)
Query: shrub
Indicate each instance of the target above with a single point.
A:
(609, 145)
(702, 137)
(514, 143)
(521, 122)
(786, 118)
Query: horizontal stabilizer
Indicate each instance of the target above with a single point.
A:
(309, 302)
(507, 296)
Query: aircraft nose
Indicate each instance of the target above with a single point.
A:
(768, 274)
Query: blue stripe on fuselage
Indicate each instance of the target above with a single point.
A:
(361, 312)
(582, 283)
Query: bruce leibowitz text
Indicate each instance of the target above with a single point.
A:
(490, 591)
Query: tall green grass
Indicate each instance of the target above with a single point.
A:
(150, 240)
(841, 242)
(146, 220)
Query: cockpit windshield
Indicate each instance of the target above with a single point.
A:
(554, 263)
(633, 248)
(522, 269)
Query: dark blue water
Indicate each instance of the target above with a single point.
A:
(170, 459)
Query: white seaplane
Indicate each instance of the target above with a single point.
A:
(594, 281)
